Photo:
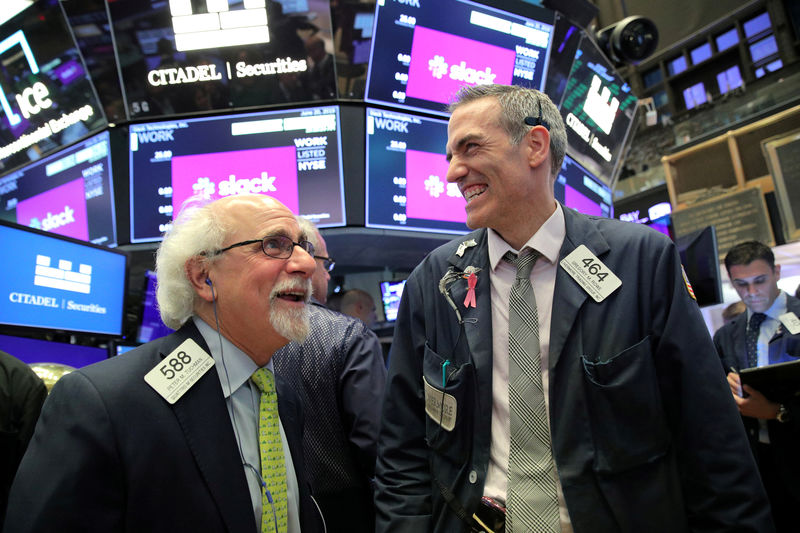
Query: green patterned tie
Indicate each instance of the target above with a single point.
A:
(273, 467)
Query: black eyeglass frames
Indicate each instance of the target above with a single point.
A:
(275, 246)
(327, 262)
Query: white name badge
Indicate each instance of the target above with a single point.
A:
(181, 369)
(590, 273)
(440, 406)
(790, 322)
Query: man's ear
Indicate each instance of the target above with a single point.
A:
(538, 142)
(197, 273)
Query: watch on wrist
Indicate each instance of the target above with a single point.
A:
(784, 415)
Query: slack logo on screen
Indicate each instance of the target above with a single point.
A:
(51, 221)
(461, 72)
(233, 186)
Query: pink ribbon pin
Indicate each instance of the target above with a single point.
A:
(472, 280)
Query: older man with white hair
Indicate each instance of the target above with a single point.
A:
(191, 432)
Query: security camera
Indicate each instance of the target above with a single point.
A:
(630, 40)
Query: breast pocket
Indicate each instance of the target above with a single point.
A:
(449, 392)
(627, 415)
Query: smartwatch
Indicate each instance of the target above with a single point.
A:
(784, 415)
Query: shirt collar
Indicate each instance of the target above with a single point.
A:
(547, 240)
(234, 367)
(777, 308)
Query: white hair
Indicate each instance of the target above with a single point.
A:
(195, 231)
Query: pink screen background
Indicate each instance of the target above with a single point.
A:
(280, 163)
(419, 202)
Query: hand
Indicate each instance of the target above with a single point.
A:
(756, 405)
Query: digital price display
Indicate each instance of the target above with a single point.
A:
(69, 193)
(424, 51)
(575, 187)
(406, 175)
(598, 109)
(291, 155)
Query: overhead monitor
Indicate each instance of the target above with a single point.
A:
(33, 351)
(293, 155)
(566, 37)
(58, 283)
(151, 326)
(577, 188)
(391, 293)
(46, 98)
(70, 192)
(406, 175)
(599, 109)
(183, 56)
(423, 52)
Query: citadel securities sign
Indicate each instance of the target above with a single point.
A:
(271, 171)
(442, 63)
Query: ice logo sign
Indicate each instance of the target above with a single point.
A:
(62, 276)
(31, 100)
(220, 26)
(600, 105)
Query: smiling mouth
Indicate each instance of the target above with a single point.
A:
(473, 191)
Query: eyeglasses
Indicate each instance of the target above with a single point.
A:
(537, 121)
(327, 262)
(276, 246)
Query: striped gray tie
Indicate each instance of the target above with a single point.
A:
(532, 500)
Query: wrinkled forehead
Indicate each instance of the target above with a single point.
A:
(254, 216)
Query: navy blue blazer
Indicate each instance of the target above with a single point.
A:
(111, 455)
(645, 434)
(784, 437)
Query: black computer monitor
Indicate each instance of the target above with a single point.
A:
(391, 293)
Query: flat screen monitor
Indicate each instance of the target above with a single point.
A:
(70, 192)
(32, 351)
(406, 175)
(292, 155)
(186, 56)
(575, 187)
(151, 326)
(391, 292)
(423, 52)
(599, 109)
(700, 260)
(566, 37)
(46, 98)
(59, 283)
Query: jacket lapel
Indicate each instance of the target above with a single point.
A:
(206, 424)
(477, 321)
(568, 295)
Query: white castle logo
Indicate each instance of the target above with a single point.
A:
(600, 106)
(62, 276)
(219, 27)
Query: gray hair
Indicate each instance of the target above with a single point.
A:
(196, 229)
(310, 229)
(517, 103)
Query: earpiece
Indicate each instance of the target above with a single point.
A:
(208, 282)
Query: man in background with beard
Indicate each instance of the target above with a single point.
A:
(175, 435)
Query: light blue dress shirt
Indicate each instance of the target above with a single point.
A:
(234, 368)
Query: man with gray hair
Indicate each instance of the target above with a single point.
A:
(551, 372)
(339, 374)
(191, 432)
